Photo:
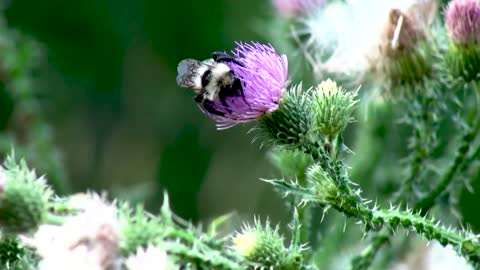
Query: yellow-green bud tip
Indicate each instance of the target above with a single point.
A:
(245, 243)
(328, 87)
(333, 107)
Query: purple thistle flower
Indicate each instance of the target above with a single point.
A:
(263, 75)
(462, 18)
(296, 7)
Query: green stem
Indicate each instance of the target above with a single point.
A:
(363, 260)
(305, 216)
(467, 244)
(424, 120)
(471, 159)
(53, 219)
(429, 200)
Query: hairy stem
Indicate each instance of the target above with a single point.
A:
(423, 148)
(429, 200)
(54, 219)
(467, 244)
(423, 116)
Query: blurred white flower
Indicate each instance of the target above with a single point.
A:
(434, 257)
(3, 179)
(151, 258)
(444, 258)
(346, 37)
(86, 241)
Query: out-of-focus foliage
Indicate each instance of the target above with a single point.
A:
(104, 81)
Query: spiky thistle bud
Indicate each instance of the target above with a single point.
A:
(291, 124)
(333, 107)
(265, 248)
(23, 198)
(462, 18)
(324, 186)
(138, 228)
(11, 253)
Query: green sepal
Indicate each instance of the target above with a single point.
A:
(290, 125)
(24, 199)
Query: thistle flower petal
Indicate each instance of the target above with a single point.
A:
(296, 7)
(263, 74)
(462, 18)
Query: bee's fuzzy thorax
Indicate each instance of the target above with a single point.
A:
(220, 74)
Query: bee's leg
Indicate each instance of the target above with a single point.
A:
(199, 98)
(222, 96)
(238, 90)
(208, 106)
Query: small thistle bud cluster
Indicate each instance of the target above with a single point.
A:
(462, 19)
(333, 107)
(23, 198)
(265, 248)
(304, 117)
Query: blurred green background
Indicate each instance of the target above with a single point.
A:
(107, 86)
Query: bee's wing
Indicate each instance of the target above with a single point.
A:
(188, 74)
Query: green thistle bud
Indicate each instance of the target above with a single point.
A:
(11, 252)
(264, 247)
(138, 228)
(292, 164)
(462, 20)
(291, 123)
(324, 186)
(463, 61)
(334, 107)
(246, 242)
(23, 198)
